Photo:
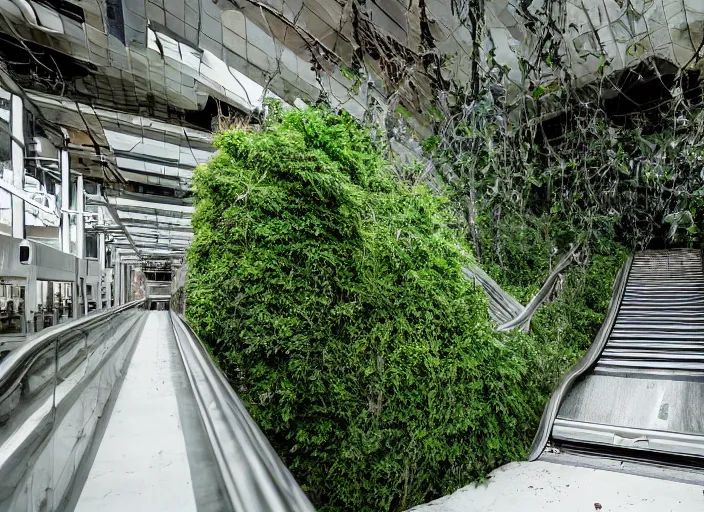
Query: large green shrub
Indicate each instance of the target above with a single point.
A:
(332, 297)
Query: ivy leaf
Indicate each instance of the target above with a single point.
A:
(538, 92)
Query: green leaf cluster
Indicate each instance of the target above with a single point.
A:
(332, 297)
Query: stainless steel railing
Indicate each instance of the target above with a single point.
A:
(55, 388)
(52, 392)
(254, 477)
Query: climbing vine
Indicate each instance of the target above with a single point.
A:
(546, 158)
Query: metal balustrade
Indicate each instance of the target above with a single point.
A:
(65, 405)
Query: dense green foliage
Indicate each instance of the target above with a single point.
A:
(520, 258)
(332, 297)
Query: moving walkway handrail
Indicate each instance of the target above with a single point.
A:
(17, 363)
(254, 478)
(524, 316)
(55, 387)
(502, 306)
(585, 364)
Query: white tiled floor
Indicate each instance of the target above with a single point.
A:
(141, 463)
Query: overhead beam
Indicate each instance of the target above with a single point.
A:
(118, 221)
(150, 203)
(167, 220)
(137, 223)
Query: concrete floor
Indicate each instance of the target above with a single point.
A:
(548, 487)
(142, 463)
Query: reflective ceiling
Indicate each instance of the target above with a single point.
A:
(137, 86)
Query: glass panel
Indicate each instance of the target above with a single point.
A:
(42, 216)
(91, 246)
(11, 308)
(51, 405)
(5, 212)
(90, 187)
(63, 293)
(54, 304)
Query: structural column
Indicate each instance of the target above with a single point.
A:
(17, 166)
(117, 276)
(85, 297)
(30, 297)
(80, 220)
(101, 260)
(65, 200)
(127, 283)
(81, 237)
(109, 283)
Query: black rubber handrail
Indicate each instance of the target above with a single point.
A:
(584, 365)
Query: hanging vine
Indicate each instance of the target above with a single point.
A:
(549, 162)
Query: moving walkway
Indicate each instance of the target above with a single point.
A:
(124, 410)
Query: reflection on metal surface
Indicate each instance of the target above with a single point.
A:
(253, 475)
(146, 167)
(52, 392)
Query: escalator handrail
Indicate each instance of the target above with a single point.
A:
(585, 364)
(254, 477)
(524, 316)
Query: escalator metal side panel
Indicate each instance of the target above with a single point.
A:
(633, 438)
(627, 401)
(584, 365)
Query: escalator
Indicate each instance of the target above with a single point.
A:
(638, 394)
(625, 428)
